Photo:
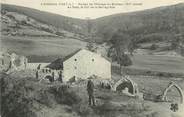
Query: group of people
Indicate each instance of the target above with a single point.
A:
(50, 78)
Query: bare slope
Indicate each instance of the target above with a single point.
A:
(66, 23)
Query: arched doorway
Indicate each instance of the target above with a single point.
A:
(124, 85)
(49, 77)
(170, 87)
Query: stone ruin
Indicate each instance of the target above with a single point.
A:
(48, 74)
(124, 85)
(163, 97)
(127, 86)
(12, 62)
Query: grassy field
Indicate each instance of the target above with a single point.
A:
(152, 83)
(41, 49)
(47, 49)
(158, 63)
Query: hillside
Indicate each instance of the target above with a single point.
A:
(58, 21)
(17, 22)
(158, 23)
(43, 36)
(38, 41)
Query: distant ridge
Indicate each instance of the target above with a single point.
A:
(158, 23)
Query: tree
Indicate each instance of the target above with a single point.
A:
(91, 47)
(153, 47)
(89, 25)
(132, 46)
(120, 43)
(124, 61)
(182, 51)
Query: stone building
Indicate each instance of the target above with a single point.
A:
(83, 64)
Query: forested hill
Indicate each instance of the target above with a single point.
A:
(154, 24)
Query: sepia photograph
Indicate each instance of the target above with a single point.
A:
(92, 58)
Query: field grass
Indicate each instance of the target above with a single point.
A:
(158, 63)
(41, 48)
(47, 49)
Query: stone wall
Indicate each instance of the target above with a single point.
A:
(10, 62)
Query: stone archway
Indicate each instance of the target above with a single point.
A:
(45, 76)
(172, 84)
(49, 77)
(125, 86)
(122, 81)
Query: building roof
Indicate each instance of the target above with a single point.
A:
(70, 55)
(58, 63)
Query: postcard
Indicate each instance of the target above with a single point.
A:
(92, 58)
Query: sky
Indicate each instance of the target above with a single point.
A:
(58, 7)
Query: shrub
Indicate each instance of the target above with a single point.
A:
(60, 33)
(11, 16)
(15, 101)
(20, 94)
(125, 60)
(133, 105)
(65, 95)
(83, 109)
(107, 110)
(153, 47)
(23, 22)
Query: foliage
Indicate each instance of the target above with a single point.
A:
(153, 47)
(15, 102)
(125, 60)
(174, 44)
(60, 33)
(23, 22)
(64, 95)
(121, 43)
(20, 95)
(83, 109)
(89, 26)
(132, 46)
(182, 51)
(91, 47)
(107, 109)
(11, 16)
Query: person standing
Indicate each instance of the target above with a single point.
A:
(39, 66)
(90, 90)
(60, 77)
(53, 75)
(37, 75)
